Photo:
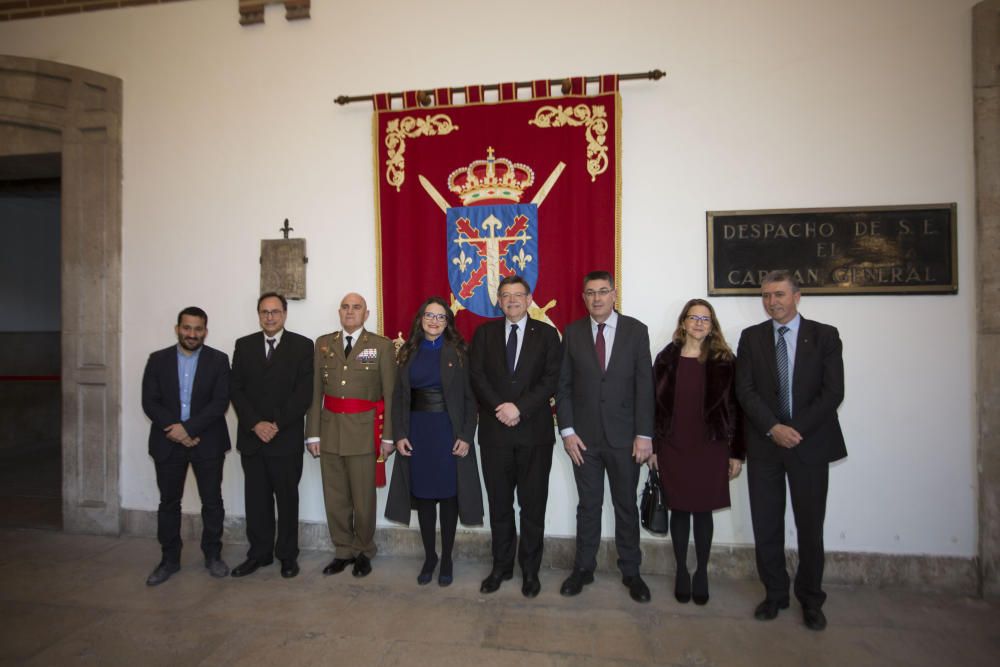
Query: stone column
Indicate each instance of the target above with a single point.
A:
(986, 95)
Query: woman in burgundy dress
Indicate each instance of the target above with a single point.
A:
(698, 441)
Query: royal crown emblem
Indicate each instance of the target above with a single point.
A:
(492, 235)
(491, 180)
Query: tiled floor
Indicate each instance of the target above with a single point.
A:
(82, 600)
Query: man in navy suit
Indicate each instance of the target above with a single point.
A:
(271, 389)
(790, 381)
(605, 410)
(185, 394)
(514, 366)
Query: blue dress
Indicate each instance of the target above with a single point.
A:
(433, 468)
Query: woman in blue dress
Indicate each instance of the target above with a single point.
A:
(434, 423)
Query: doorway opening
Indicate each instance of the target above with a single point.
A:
(30, 330)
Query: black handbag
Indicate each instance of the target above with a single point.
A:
(652, 509)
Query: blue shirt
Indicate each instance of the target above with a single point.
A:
(791, 340)
(187, 366)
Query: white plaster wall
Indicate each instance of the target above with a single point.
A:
(767, 104)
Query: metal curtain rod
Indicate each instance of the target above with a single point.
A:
(425, 95)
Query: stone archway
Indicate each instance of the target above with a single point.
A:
(51, 108)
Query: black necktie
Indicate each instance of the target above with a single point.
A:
(781, 357)
(347, 348)
(270, 348)
(512, 349)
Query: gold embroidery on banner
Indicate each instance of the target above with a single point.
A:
(410, 127)
(594, 118)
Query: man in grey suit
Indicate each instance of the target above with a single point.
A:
(790, 381)
(605, 410)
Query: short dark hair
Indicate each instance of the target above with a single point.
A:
(781, 276)
(273, 295)
(193, 311)
(514, 280)
(599, 275)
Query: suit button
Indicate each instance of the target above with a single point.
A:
(345, 368)
(343, 382)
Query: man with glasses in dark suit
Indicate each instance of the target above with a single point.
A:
(514, 365)
(605, 410)
(271, 389)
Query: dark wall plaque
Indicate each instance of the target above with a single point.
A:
(877, 249)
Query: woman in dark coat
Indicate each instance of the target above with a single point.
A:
(698, 442)
(434, 423)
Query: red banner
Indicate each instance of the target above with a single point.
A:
(467, 194)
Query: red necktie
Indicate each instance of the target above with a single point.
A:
(599, 346)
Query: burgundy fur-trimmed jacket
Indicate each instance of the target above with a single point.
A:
(723, 417)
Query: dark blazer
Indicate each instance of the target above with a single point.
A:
(278, 391)
(723, 417)
(618, 404)
(533, 383)
(161, 401)
(817, 391)
(461, 406)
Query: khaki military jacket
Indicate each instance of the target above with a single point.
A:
(368, 373)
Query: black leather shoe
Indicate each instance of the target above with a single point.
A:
(814, 618)
(337, 565)
(362, 566)
(427, 571)
(637, 588)
(768, 609)
(289, 568)
(217, 567)
(249, 566)
(491, 584)
(575, 582)
(162, 572)
(682, 587)
(699, 587)
(531, 586)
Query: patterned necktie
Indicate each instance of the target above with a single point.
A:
(347, 348)
(512, 349)
(784, 396)
(600, 348)
(270, 348)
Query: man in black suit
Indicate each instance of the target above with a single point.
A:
(789, 381)
(605, 411)
(514, 365)
(185, 394)
(271, 390)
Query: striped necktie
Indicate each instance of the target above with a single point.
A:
(784, 395)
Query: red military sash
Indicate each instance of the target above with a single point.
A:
(350, 406)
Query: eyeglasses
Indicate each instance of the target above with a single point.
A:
(507, 296)
(603, 292)
(270, 313)
(436, 317)
(704, 319)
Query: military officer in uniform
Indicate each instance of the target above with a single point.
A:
(354, 374)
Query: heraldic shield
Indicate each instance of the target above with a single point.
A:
(487, 243)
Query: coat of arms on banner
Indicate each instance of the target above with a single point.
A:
(492, 235)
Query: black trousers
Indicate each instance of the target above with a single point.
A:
(623, 478)
(807, 486)
(170, 477)
(271, 480)
(525, 470)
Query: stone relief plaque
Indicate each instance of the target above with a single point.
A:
(283, 267)
(868, 250)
